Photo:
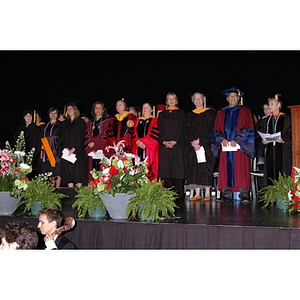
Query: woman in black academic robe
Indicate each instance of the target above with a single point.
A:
(278, 154)
(199, 127)
(171, 151)
(51, 132)
(72, 139)
(31, 136)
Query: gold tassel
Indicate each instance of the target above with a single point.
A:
(34, 116)
(153, 111)
(241, 102)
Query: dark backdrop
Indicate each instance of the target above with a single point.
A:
(40, 79)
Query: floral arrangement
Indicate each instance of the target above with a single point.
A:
(15, 165)
(294, 197)
(121, 173)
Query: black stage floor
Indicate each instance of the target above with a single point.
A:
(215, 212)
(236, 213)
(198, 225)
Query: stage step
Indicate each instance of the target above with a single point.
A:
(67, 202)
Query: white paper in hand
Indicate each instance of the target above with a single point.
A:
(71, 158)
(201, 155)
(96, 155)
(231, 148)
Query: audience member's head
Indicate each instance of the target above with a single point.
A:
(18, 236)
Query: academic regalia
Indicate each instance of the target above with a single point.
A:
(234, 123)
(278, 155)
(96, 132)
(146, 131)
(31, 136)
(171, 160)
(199, 124)
(72, 135)
(122, 129)
(52, 133)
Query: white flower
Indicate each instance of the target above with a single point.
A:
(24, 166)
(20, 153)
(120, 164)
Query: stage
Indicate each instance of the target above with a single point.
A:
(197, 225)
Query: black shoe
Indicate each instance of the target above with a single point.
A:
(245, 199)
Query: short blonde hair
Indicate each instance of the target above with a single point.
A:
(174, 95)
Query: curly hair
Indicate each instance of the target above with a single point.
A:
(20, 232)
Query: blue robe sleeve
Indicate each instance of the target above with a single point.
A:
(246, 139)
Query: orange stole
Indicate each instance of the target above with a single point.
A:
(49, 152)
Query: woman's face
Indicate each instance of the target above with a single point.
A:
(147, 110)
(28, 118)
(198, 101)
(120, 107)
(53, 115)
(171, 101)
(70, 111)
(274, 106)
(98, 110)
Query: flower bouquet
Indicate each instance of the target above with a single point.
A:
(294, 197)
(15, 165)
(121, 173)
(117, 180)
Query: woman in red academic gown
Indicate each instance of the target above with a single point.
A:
(96, 134)
(145, 140)
(122, 126)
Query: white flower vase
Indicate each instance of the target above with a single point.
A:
(116, 205)
(7, 203)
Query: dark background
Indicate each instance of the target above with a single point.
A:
(41, 79)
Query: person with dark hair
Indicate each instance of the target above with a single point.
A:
(31, 135)
(278, 154)
(171, 152)
(37, 118)
(122, 126)
(74, 173)
(96, 135)
(145, 140)
(18, 236)
(49, 221)
(50, 158)
(199, 127)
(233, 139)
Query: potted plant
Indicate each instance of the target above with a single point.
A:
(40, 194)
(278, 192)
(88, 203)
(152, 201)
(15, 165)
(117, 180)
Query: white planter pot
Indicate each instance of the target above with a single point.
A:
(8, 204)
(116, 205)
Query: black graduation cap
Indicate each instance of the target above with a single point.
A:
(232, 90)
(27, 111)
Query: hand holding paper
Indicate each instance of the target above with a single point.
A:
(71, 158)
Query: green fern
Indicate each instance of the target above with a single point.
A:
(279, 189)
(152, 200)
(86, 201)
